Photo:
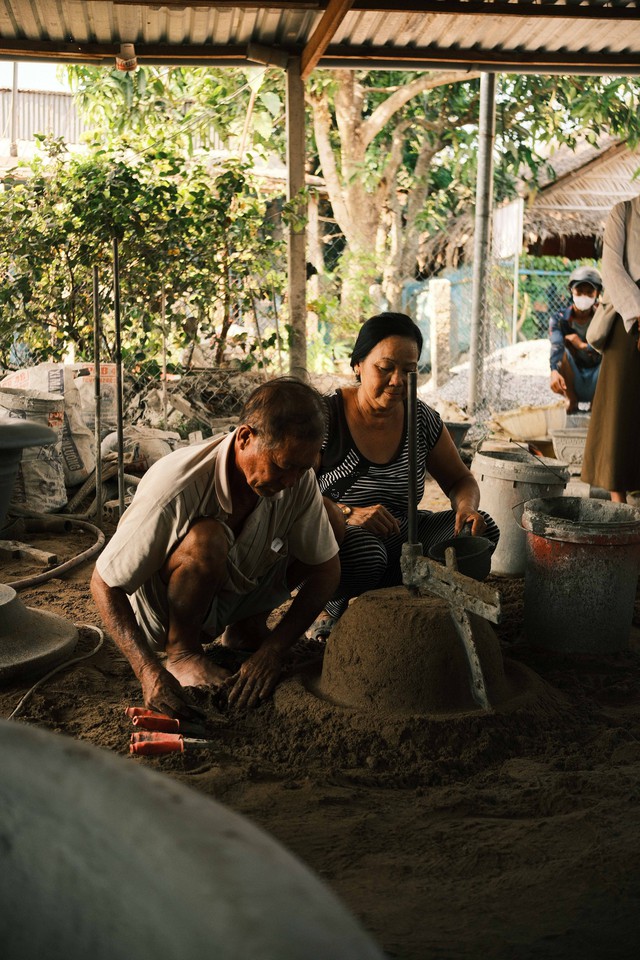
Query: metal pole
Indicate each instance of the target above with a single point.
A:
(484, 202)
(97, 423)
(13, 149)
(119, 386)
(412, 411)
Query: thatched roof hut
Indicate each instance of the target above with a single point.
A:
(564, 214)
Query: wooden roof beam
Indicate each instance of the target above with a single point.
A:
(323, 35)
(500, 61)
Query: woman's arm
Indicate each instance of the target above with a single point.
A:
(457, 481)
(620, 287)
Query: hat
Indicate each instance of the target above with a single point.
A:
(586, 275)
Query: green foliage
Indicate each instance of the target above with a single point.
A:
(193, 237)
(189, 107)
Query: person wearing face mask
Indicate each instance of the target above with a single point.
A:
(575, 365)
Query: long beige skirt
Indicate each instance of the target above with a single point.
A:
(612, 452)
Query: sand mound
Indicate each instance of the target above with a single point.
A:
(400, 655)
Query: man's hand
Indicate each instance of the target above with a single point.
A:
(558, 383)
(163, 693)
(257, 677)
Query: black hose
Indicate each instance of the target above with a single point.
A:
(68, 564)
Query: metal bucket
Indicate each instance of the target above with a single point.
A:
(582, 564)
(506, 479)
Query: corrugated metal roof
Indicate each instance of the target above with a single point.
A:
(507, 35)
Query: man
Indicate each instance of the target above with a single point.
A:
(205, 546)
(574, 363)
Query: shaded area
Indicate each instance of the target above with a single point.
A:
(514, 835)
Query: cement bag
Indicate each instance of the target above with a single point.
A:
(84, 382)
(143, 444)
(78, 457)
(39, 485)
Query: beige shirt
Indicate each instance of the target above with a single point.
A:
(193, 482)
(619, 281)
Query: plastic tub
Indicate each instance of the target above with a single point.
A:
(508, 478)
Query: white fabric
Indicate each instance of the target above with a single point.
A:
(193, 482)
(620, 283)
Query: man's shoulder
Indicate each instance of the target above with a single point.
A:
(179, 467)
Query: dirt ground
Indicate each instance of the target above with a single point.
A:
(512, 834)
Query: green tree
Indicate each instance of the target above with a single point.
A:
(398, 150)
(188, 235)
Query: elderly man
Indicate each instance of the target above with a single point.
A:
(206, 548)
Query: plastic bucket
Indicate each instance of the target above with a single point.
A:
(583, 559)
(457, 431)
(15, 435)
(507, 478)
(40, 485)
(473, 555)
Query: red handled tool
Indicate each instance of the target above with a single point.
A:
(152, 720)
(154, 743)
(143, 712)
(168, 725)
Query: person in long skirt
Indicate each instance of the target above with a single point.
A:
(612, 452)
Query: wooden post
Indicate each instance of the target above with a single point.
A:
(296, 235)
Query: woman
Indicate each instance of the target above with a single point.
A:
(612, 452)
(364, 469)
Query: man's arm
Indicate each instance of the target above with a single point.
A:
(258, 676)
(160, 690)
(557, 334)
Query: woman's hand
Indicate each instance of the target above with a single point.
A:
(376, 519)
(465, 516)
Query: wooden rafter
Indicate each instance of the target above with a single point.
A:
(323, 35)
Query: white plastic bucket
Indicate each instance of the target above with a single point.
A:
(507, 478)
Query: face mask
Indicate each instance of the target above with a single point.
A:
(582, 302)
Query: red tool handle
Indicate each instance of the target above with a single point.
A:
(156, 748)
(156, 722)
(151, 736)
(143, 712)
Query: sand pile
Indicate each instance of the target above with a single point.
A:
(399, 655)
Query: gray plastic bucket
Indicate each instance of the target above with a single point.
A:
(583, 559)
(40, 486)
(15, 436)
(507, 478)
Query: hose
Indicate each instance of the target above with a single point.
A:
(89, 484)
(61, 666)
(68, 564)
(109, 472)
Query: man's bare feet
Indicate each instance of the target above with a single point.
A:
(195, 670)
